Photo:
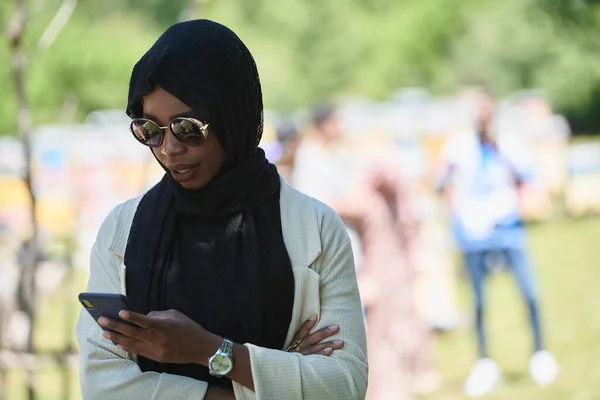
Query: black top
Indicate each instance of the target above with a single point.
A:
(230, 273)
(205, 289)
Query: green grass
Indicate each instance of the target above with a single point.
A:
(585, 138)
(567, 258)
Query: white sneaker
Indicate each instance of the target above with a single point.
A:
(484, 375)
(543, 367)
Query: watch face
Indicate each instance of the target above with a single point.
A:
(221, 364)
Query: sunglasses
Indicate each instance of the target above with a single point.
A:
(188, 131)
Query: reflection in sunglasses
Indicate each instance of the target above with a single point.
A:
(189, 131)
(141, 131)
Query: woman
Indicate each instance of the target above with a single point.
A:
(388, 231)
(238, 258)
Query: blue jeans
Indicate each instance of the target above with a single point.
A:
(517, 261)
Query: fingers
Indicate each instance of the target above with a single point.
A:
(138, 319)
(326, 351)
(319, 336)
(303, 332)
(121, 327)
(124, 342)
(325, 348)
(306, 327)
(130, 344)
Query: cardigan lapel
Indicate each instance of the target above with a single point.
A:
(300, 226)
(120, 234)
(302, 238)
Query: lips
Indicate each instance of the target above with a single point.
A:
(182, 168)
(182, 172)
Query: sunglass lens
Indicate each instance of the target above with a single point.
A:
(147, 132)
(187, 131)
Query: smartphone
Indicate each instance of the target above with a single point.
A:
(104, 305)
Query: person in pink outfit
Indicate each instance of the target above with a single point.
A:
(398, 338)
(373, 203)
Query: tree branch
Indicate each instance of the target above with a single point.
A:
(59, 21)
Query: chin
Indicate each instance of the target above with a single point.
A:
(193, 185)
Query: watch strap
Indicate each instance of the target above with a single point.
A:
(227, 348)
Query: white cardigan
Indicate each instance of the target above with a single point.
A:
(325, 284)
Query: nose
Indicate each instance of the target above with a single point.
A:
(171, 146)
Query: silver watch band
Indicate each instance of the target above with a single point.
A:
(227, 347)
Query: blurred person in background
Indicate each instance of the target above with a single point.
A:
(481, 178)
(289, 138)
(270, 143)
(326, 169)
(249, 269)
(361, 181)
(400, 340)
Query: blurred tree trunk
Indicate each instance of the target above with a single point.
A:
(28, 260)
(29, 256)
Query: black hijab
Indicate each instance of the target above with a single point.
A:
(206, 66)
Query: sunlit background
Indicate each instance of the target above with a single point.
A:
(400, 71)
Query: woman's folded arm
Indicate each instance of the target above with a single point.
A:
(343, 375)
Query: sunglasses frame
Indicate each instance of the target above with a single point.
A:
(203, 126)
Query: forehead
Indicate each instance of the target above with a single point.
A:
(159, 102)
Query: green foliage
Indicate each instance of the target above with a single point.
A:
(90, 61)
(309, 50)
(94, 70)
(569, 11)
(516, 44)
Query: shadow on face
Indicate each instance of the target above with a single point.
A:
(192, 167)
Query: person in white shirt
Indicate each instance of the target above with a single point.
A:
(481, 178)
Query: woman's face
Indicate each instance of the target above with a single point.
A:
(192, 167)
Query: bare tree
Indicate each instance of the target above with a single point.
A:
(30, 251)
(28, 258)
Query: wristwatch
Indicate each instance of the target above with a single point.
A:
(221, 363)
